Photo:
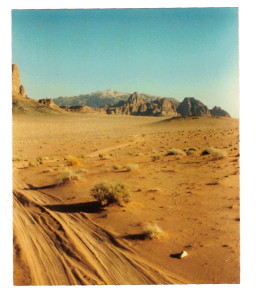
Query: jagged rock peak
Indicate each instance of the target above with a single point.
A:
(219, 112)
(17, 88)
(136, 99)
(192, 107)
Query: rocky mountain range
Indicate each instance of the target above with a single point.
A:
(113, 102)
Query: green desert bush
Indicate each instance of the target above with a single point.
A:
(175, 151)
(152, 231)
(216, 153)
(67, 175)
(106, 193)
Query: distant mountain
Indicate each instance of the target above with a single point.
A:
(219, 112)
(192, 107)
(138, 104)
(102, 99)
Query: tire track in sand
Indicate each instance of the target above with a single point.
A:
(69, 249)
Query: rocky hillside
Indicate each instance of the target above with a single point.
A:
(105, 98)
(219, 112)
(137, 104)
(192, 107)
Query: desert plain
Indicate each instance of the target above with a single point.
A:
(63, 237)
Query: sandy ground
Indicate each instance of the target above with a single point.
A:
(62, 238)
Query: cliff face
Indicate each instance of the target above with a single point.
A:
(17, 88)
(137, 105)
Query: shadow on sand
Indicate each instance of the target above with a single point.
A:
(132, 237)
(89, 207)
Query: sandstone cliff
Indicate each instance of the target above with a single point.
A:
(137, 104)
(17, 88)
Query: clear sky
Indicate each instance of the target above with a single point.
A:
(179, 53)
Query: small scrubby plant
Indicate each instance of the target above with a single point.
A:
(155, 157)
(72, 160)
(190, 151)
(152, 231)
(116, 167)
(104, 156)
(107, 193)
(132, 167)
(67, 175)
(216, 153)
(174, 151)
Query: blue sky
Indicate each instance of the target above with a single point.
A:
(166, 52)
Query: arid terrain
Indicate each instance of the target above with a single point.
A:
(63, 237)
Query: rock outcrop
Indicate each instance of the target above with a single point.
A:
(47, 102)
(17, 88)
(192, 107)
(219, 112)
(138, 105)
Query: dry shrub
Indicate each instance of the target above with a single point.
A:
(106, 193)
(116, 167)
(15, 158)
(190, 151)
(104, 156)
(131, 167)
(152, 231)
(175, 151)
(67, 176)
(48, 170)
(216, 153)
(33, 163)
(72, 160)
(81, 171)
(155, 157)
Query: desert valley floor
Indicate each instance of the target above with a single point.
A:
(61, 237)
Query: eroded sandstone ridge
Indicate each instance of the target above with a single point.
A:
(17, 88)
(139, 105)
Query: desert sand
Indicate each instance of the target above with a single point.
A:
(61, 235)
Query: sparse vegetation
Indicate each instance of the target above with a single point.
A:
(15, 158)
(175, 151)
(116, 167)
(72, 160)
(152, 231)
(155, 157)
(48, 170)
(40, 160)
(190, 151)
(131, 167)
(104, 156)
(216, 153)
(82, 171)
(67, 175)
(107, 193)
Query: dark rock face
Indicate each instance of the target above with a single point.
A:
(219, 112)
(192, 107)
(47, 102)
(138, 105)
(22, 91)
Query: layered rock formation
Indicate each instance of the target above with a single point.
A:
(17, 88)
(219, 112)
(138, 105)
(192, 107)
